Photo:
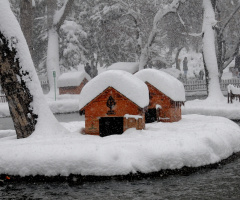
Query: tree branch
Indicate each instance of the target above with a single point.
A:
(61, 14)
(229, 19)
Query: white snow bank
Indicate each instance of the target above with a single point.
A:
(213, 108)
(131, 67)
(194, 141)
(164, 82)
(72, 78)
(124, 82)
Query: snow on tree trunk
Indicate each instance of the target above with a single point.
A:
(52, 57)
(158, 17)
(209, 51)
(55, 20)
(20, 82)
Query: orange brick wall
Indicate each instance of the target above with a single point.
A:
(168, 110)
(98, 108)
(72, 89)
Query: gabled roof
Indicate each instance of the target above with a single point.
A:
(72, 78)
(164, 82)
(125, 83)
(131, 67)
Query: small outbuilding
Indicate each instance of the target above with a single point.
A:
(72, 82)
(166, 96)
(113, 102)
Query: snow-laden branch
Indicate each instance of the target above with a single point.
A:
(61, 14)
(163, 11)
(229, 19)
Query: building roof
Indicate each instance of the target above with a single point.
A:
(131, 67)
(125, 83)
(72, 78)
(164, 82)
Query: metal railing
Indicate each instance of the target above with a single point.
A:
(200, 85)
(190, 86)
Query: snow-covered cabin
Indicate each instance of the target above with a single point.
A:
(166, 95)
(72, 82)
(131, 67)
(113, 102)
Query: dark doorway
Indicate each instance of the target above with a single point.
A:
(110, 126)
(151, 115)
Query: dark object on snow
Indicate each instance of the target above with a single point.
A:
(201, 74)
(185, 64)
(87, 69)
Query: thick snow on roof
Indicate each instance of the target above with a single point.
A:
(124, 82)
(72, 78)
(131, 67)
(164, 82)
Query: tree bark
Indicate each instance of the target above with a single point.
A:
(18, 95)
(26, 22)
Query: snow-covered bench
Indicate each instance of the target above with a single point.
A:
(233, 92)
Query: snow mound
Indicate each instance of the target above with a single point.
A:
(131, 67)
(72, 78)
(164, 82)
(124, 82)
(194, 141)
(213, 108)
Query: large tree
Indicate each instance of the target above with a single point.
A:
(19, 80)
(209, 51)
(227, 32)
(55, 20)
(26, 21)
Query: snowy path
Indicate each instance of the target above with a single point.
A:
(194, 141)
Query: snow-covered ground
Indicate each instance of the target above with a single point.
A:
(194, 141)
(213, 108)
(63, 104)
(70, 103)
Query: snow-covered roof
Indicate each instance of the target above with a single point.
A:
(125, 83)
(131, 67)
(72, 78)
(164, 82)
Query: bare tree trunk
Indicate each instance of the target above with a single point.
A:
(18, 95)
(26, 22)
